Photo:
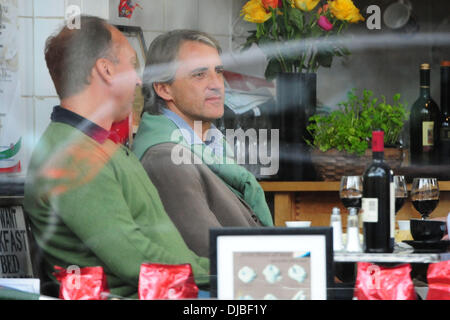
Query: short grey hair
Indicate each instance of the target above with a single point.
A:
(161, 66)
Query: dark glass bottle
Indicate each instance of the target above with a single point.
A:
(424, 124)
(444, 134)
(378, 202)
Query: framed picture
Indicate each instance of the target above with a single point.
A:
(271, 263)
(136, 38)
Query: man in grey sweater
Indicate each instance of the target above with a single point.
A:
(185, 156)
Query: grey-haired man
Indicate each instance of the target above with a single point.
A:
(183, 153)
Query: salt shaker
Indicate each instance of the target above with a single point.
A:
(336, 224)
(353, 242)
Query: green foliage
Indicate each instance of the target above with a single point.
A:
(350, 127)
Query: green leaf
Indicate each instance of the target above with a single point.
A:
(324, 58)
(273, 68)
(296, 17)
(344, 51)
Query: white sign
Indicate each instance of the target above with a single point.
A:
(15, 259)
(12, 124)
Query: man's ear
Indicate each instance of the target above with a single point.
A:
(105, 70)
(163, 90)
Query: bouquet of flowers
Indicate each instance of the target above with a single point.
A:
(296, 35)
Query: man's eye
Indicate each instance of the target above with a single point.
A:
(199, 75)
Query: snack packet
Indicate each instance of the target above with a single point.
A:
(375, 282)
(438, 276)
(82, 283)
(159, 281)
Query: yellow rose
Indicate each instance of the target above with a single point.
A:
(345, 10)
(253, 11)
(305, 5)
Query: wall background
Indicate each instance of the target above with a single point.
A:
(383, 68)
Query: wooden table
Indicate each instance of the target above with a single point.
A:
(313, 201)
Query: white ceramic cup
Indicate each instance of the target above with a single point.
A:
(403, 225)
(298, 224)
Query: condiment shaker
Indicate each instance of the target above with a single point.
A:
(336, 224)
(353, 242)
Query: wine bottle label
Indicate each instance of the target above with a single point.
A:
(445, 134)
(392, 208)
(369, 208)
(427, 133)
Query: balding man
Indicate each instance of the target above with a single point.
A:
(89, 199)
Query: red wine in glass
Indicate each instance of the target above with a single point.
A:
(350, 191)
(401, 192)
(425, 207)
(425, 195)
(353, 202)
(399, 202)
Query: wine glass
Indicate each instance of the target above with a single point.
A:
(425, 195)
(401, 193)
(350, 191)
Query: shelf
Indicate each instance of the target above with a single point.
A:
(294, 186)
(305, 186)
(401, 257)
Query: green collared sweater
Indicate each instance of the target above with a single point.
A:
(93, 204)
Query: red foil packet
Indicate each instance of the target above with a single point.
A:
(438, 277)
(375, 282)
(82, 283)
(159, 281)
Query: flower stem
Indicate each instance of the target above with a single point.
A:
(281, 59)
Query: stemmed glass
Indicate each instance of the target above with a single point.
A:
(425, 195)
(350, 191)
(401, 193)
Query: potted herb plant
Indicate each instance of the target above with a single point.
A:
(341, 139)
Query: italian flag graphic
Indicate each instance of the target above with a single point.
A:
(9, 162)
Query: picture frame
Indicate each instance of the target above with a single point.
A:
(135, 37)
(271, 263)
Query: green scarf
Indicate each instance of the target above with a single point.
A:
(154, 130)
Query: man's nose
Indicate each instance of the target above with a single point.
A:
(216, 81)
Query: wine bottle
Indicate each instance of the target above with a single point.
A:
(424, 123)
(378, 202)
(444, 135)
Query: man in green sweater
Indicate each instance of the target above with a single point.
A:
(89, 199)
(185, 156)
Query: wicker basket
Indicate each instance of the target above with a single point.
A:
(333, 164)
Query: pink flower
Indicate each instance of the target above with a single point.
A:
(324, 23)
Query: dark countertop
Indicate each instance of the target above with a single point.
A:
(12, 186)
